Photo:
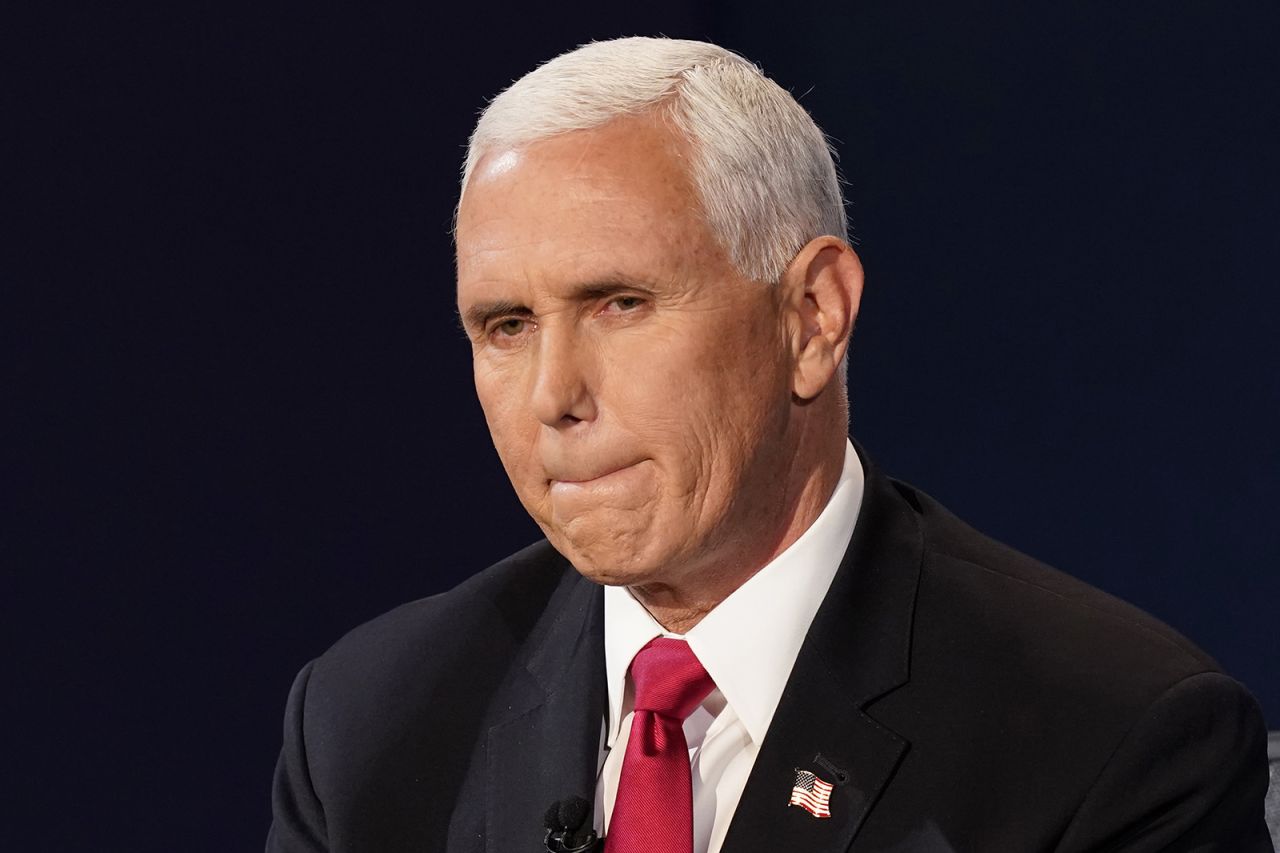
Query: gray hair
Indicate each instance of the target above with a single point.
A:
(763, 171)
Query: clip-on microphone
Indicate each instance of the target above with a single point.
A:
(568, 827)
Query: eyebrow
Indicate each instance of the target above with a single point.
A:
(479, 315)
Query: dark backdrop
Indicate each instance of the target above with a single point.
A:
(238, 413)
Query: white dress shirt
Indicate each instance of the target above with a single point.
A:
(748, 645)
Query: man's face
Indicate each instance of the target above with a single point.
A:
(636, 387)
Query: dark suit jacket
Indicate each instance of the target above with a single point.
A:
(961, 697)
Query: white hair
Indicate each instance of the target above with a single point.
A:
(764, 173)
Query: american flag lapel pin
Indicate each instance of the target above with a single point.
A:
(811, 794)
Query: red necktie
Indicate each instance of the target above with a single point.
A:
(654, 807)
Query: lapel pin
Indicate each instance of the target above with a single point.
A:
(811, 794)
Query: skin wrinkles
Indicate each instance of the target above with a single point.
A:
(668, 424)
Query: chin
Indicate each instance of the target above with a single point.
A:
(604, 577)
(606, 564)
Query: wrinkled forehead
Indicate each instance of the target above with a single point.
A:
(617, 196)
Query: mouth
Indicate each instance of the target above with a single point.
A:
(592, 480)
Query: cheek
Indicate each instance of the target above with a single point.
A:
(701, 405)
(723, 368)
(511, 428)
(493, 402)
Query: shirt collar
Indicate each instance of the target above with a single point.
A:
(750, 641)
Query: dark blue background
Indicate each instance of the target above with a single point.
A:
(239, 417)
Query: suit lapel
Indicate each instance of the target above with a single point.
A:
(545, 745)
(857, 650)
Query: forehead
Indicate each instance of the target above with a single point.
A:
(616, 198)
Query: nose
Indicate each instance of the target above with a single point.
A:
(560, 393)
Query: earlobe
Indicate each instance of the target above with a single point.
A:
(827, 277)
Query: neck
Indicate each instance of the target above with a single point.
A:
(812, 477)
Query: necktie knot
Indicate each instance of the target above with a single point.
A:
(669, 679)
(654, 807)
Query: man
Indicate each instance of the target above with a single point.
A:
(739, 635)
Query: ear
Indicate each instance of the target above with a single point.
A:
(822, 289)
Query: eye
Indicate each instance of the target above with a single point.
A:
(622, 304)
(509, 331)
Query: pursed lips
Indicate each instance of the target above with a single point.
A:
(587, 478)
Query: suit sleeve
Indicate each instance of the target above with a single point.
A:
(297, 824)
(1190, 775)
